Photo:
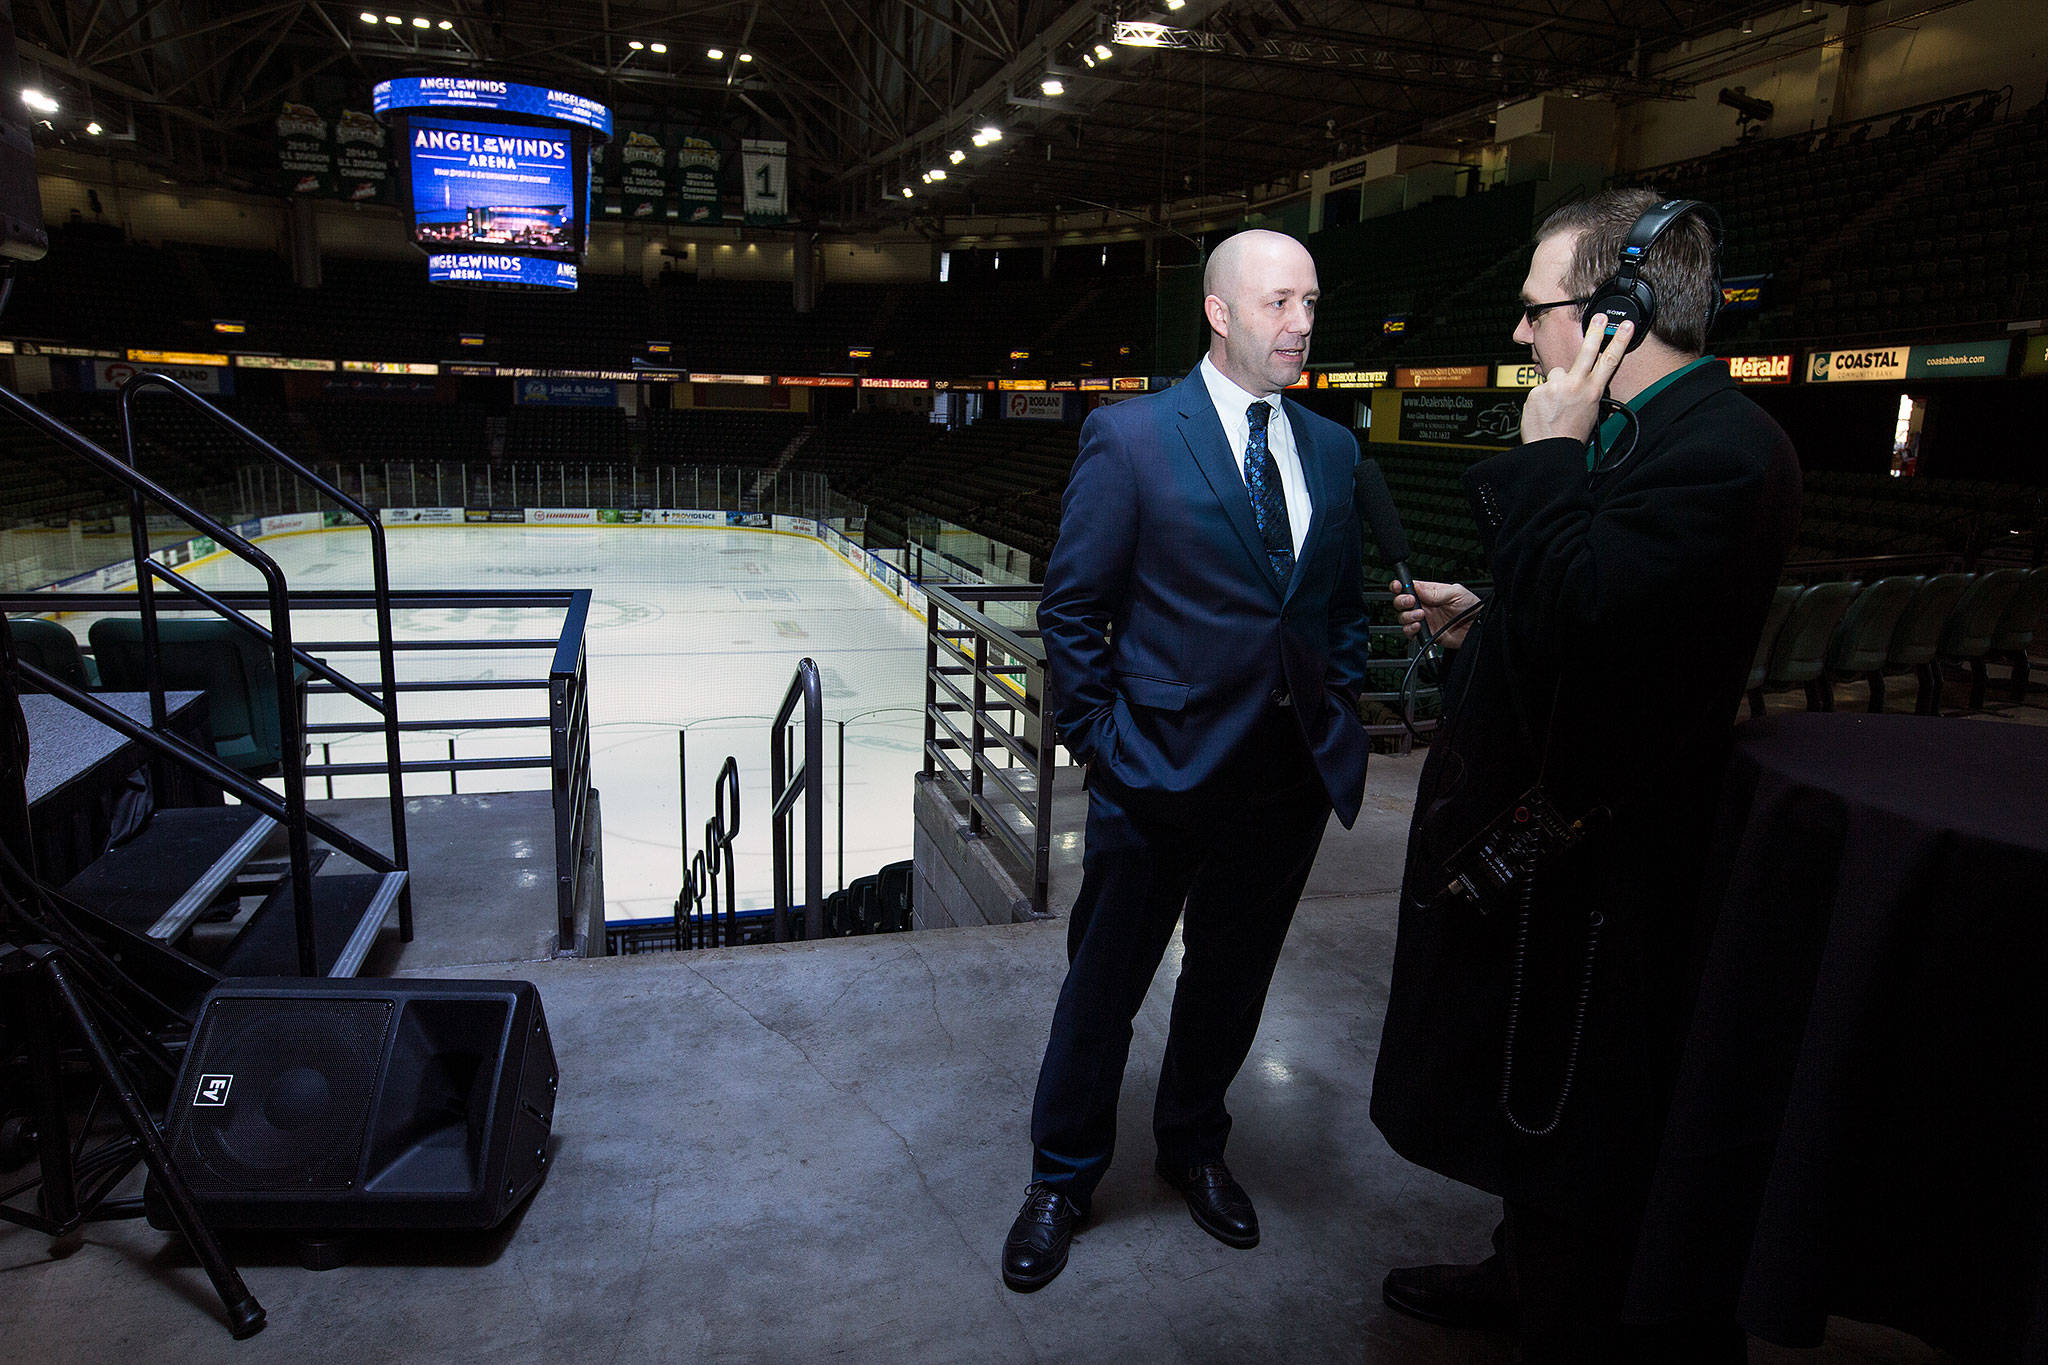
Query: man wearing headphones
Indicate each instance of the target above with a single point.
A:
(1539, 998)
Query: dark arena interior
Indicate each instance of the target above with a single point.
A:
(522, 526)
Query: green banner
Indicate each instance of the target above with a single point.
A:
(1960, 359)
(696, 175)
(305, 157)
(643, 176)
(362, 168)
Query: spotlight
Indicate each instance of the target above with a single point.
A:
(38, 101)
(445, 25)
(991, 134)
(658, 49)
(422, 23)
(367, 17)
(1088, 60)
(393, 19)
(746, 56)
(956, 156)
(94, 128)
(1052, 85)
(938, 173)
(636, 44)
(908, 193)
(716, 54)
(1175, 4)
(1102, 53)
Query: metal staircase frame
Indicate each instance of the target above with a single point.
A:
(290, 810)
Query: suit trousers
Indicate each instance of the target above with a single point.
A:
(1235, 871)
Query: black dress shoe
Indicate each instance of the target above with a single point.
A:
(1220, 1206)
(1454, 1295)
(1036, 1250)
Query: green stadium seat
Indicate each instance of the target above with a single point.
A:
(1863, 640)
(1799, 656)
(1966, 638)
(2016, 629)
(1918, 636)
(1774, 621)
(52, 648)
(219, 658)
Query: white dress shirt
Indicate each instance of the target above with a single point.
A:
(1232, 403)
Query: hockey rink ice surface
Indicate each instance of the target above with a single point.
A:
(689, 627)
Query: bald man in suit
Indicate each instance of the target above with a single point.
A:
(1206, 640)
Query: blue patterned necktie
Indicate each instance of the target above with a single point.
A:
(1269, 505)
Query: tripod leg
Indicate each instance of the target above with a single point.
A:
(58, 1203)
(245, 1315)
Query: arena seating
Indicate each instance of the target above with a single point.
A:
(720, 437)
(541, 433)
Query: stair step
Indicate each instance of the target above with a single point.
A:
(143, 885)
(348, 910)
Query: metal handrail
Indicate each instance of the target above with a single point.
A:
(571, 789)
(994, 689)
(711, 864)
(786, 788)
(156, 736)
(279, 637)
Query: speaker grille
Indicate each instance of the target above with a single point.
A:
(294, 1108)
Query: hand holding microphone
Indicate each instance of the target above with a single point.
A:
(1429, 609)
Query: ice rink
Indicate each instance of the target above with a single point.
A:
(689, 627)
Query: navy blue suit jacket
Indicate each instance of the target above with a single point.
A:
(1168, 639)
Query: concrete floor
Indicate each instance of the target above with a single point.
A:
(786, 1153)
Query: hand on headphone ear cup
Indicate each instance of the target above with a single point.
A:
(1618, 301)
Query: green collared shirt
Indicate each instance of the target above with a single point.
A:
(1611, 429)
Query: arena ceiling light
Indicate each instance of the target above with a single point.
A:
(422, 23)
(1102, 52)
(38, 101)
(94, 128)
(908, 193)
(367, 17)
(990, 133)
(636, 44)
(1052, 85)
(746, 56)
(716, 54)
(956, 156)
(937, 173)
(658, 49)
(446, 25)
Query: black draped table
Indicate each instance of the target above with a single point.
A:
(1860, 1122)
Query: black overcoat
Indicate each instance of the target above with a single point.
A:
(1623, 621)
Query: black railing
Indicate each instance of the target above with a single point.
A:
(1009, 728)
(697, 909)
(157, 736)
(567, 721)
(278, 635)
(786, 787)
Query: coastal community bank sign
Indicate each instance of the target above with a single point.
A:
(1947, 360)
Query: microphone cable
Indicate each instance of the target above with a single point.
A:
(1433, 646)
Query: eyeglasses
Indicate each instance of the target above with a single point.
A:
(1533, 311)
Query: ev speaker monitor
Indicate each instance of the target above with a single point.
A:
(342, 1106)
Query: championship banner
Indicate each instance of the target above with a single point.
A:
(696, 178)
(362, 169)
(304, 155)
(643, 176)
(764, 169)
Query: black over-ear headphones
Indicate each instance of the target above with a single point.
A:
(1626, 296)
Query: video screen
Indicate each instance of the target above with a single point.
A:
(493, 185)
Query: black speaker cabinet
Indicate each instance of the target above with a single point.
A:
(320, 1105)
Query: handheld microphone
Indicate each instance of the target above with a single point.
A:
(1375, 500)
